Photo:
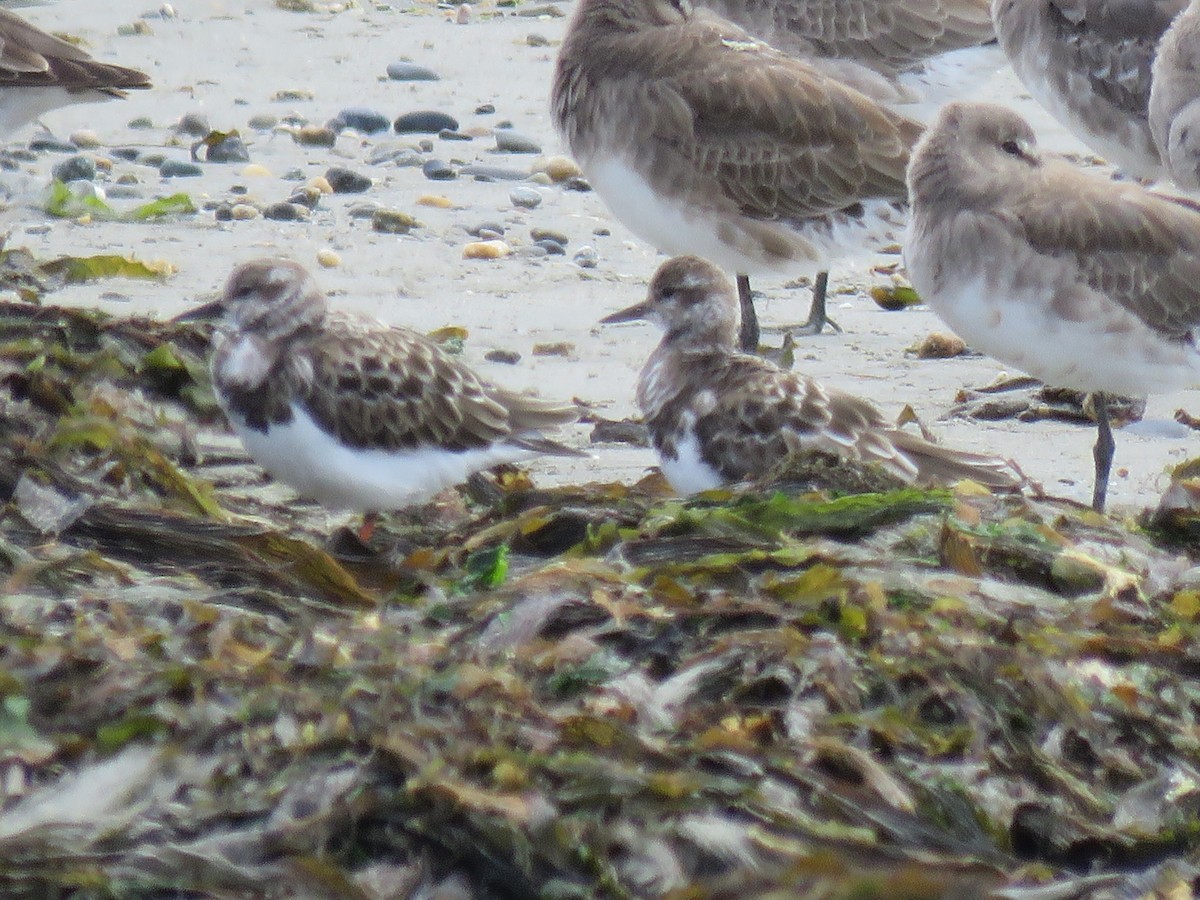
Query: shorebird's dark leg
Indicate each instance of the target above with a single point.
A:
(816, 313)
(748, 336)
(1102, 453)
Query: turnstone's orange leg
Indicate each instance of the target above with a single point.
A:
(367, 530)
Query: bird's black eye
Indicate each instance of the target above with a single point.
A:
(1012, 148)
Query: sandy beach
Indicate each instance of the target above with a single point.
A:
(232, 61)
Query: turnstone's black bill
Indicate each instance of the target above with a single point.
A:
(702, 139)
(351, 412)
(39, 72)
(716, 415)
(1081, 281)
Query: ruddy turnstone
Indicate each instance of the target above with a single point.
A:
(1175, 98)
(1089, 63)
(702, 139)
(351, 412)
(716, 415)
(899, 51)
(1080, 281)
(39, 72)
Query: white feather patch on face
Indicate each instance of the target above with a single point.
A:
(244, 363)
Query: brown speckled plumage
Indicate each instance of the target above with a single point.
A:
(745, 413)
(368, 384)
(1089, 62)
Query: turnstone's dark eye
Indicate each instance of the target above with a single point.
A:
(1012, 148)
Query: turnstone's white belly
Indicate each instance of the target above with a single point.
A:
(22, 105)
(688, 473)
(320, 467)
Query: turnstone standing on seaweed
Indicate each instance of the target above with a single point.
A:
(702, 139)
(1080, 281)
(40, 72)
(351, 412)
(1089, 63)
(716, 415)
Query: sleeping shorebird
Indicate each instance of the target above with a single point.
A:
(703, 140)
(1083, 282)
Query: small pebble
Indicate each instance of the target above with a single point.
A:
(525, 197)
(362, 119)
(436, 170)
(940, 345)
(488, 235)
(536, 12)
(177, 168)
(389, 151)
(85, 139)
(152, 159)
(393, 221)
(263, 122)
(128, 178)
(76, 168)
(346, 181)
(552, 248)
(577, 183)
(485, 109)
(292, 95)
(320, 183)
(540, 178)
(425, 145)
(491, 173)
(406, 71)
(463, 16)
(586, 257)
(364, 209)
(285, 212)
(194, 124)
(223, 212)
(230, 149)
(127, 153)
(537, 40)
(559, 168)
(490, 227)
(508, 357)
(254, 170)
(486, 250)
(447, 135)
(293, 175)
(602, 231)
(315, 136)
(532, 251)
(244, 212)
(424, 122)
(509, 141)
(125, 192)
(547, 234)
(308, 197)
(141, 123)
(48, 143)
(435, 200)
(554, 348)
(328, 258)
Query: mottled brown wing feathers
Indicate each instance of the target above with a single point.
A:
(1114, 43)
(891, 35)
(395, 389)
(1140, 249)
(781, 139)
